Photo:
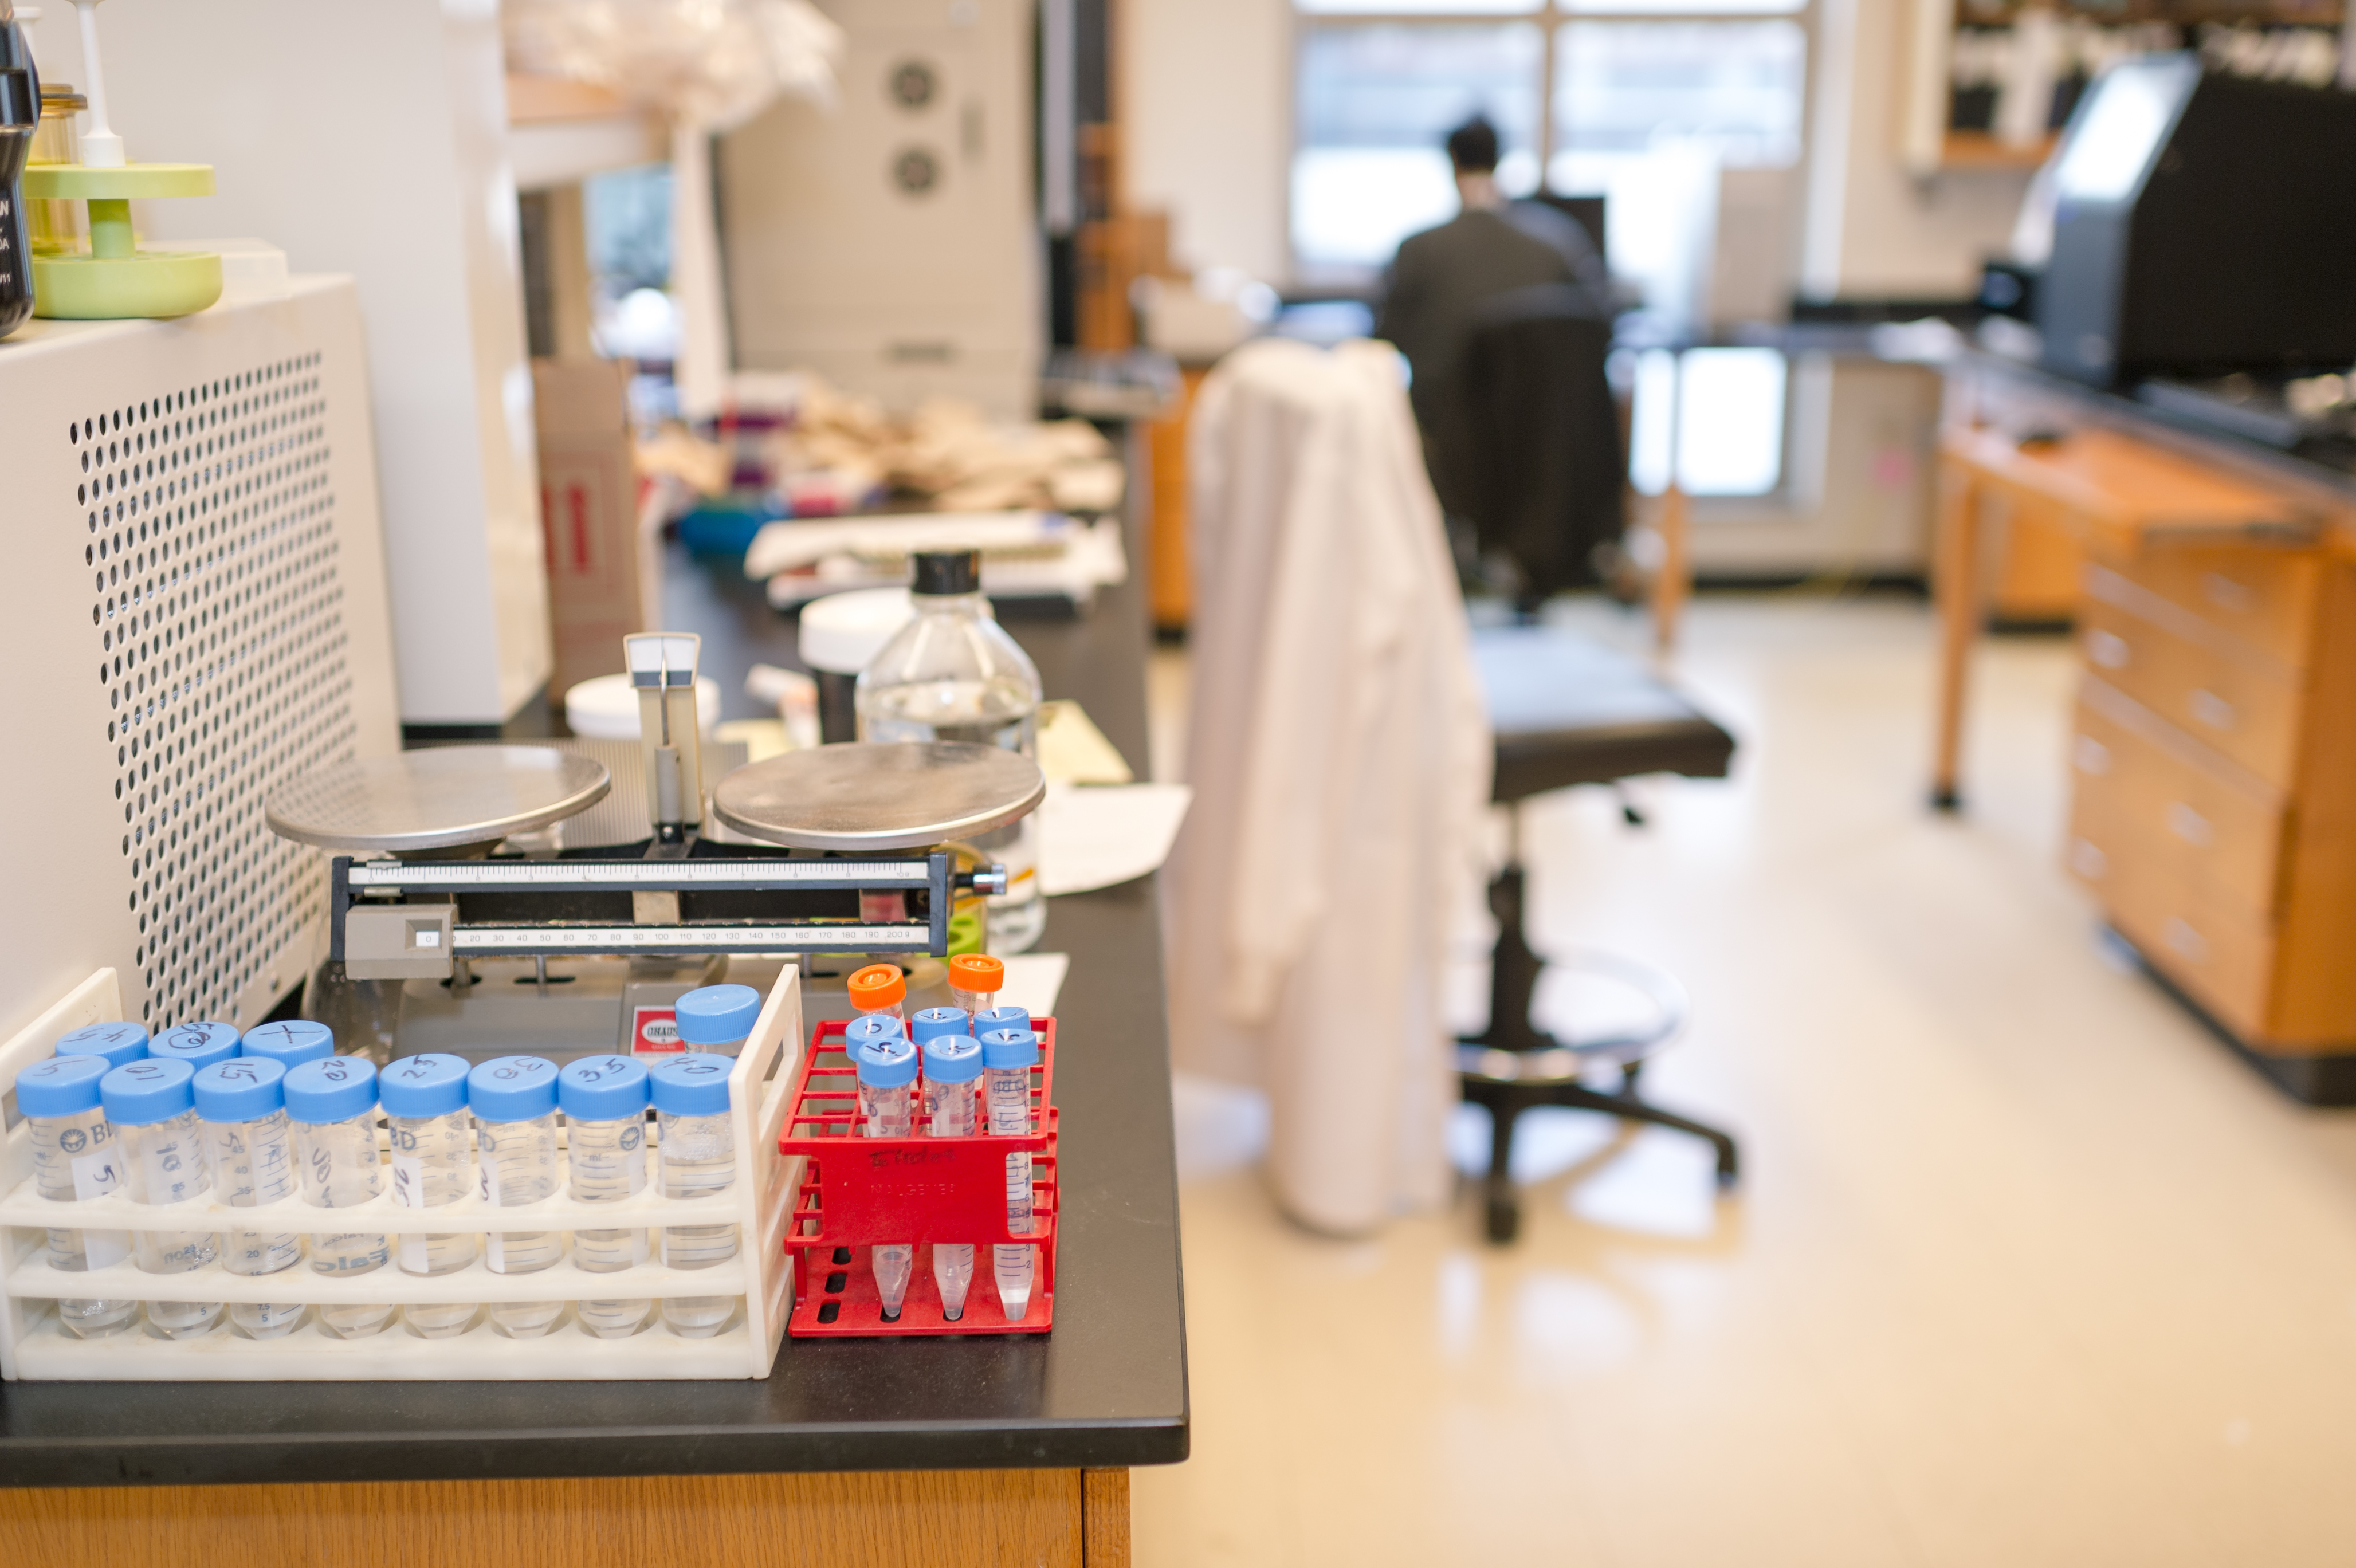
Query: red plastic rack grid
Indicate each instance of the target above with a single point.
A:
(857, 1190)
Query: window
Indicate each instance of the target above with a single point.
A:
(1639, 101)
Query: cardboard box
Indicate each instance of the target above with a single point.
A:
(589, 516)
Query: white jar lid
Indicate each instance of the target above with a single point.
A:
(843, 632)
(606, 708)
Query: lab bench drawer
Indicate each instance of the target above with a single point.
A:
(2262, 597)
(2236, 706)
(2222, 957)
(2196, 823)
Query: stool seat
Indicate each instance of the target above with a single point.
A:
(1568, 710)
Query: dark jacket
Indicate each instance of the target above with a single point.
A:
(1442, 276)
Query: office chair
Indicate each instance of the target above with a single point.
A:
(1540, 443)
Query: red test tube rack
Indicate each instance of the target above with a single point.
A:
(857, 1192)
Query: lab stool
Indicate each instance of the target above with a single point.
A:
(1566, 711)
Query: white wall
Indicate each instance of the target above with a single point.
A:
(372, 139)
(1872, 230)
(1206, 106)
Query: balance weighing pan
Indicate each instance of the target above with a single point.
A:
(439, 799)
(866, 795)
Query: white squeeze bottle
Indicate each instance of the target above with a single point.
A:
(953, 674)
(1008, 1055)
(76, 1156)
(432, 1165)
(334, 1105)
(604, 1099)
(152, 1110)
(698, 1160)
(241, 1102)
(513, 1099)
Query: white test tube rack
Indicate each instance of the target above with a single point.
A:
(35, 1346)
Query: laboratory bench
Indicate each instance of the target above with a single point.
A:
(2211, 580)
(1007, 1448)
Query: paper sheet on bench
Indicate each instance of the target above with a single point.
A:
(1097, 836)
(1033, 980)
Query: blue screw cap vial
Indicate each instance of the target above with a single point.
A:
(512, 1089)
(334, 1089)
(1003, 1050)
(198, 1045)
(604, 1088)
(933, 1022)
(61, 1086)
(117, 1042)
(717, 1015)
(149, 1090)
(990, 1018)
(887, 1064)
(953, 1059)
(695, 1084)
(293, 1041)
(433, 1084)
(239, 1089)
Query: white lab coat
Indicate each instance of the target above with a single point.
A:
(1340, 757)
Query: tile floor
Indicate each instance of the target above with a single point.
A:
(2026, 1269)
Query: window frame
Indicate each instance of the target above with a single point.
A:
(1550, 17)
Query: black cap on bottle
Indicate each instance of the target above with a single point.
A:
(948, 571)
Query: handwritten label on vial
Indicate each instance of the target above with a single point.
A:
(409, 1192)
(98, 1175)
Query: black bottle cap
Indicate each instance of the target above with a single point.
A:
(948, 571)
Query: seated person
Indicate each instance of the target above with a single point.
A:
(1442, 277)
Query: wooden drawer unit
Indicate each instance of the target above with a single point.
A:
(2191, 818)
(2241, 704)
(2221, 955)
(2263, 598)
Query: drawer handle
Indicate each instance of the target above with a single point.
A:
(2221, 591)
(2091, 755)
(2190, 826)
(2211, 709)
(2087, 861)
(2187, 943)
(2106, 649)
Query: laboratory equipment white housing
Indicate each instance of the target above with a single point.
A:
(33, 1345)
(195, 572)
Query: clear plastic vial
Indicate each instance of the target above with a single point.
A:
(1008, 1055)
(604, 1099)
(953, 674)
(697, 1151)
(76, 1158)
(432, 1138)
(975, 980)
(952, 1099)
(251, 1143)
(333, 1104)
(717, 1019)
(150, 1106)
(513, 1099)
(199, 1045)
(119, 1045)
(886, 1071)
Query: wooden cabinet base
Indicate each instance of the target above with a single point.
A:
(1056, 1518)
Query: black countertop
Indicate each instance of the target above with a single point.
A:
(1105, 1387)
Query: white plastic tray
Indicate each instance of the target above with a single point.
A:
(33, 1344)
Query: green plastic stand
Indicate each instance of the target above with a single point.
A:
(115, 279)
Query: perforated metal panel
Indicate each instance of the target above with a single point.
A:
(206, 486)
(212, 557)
